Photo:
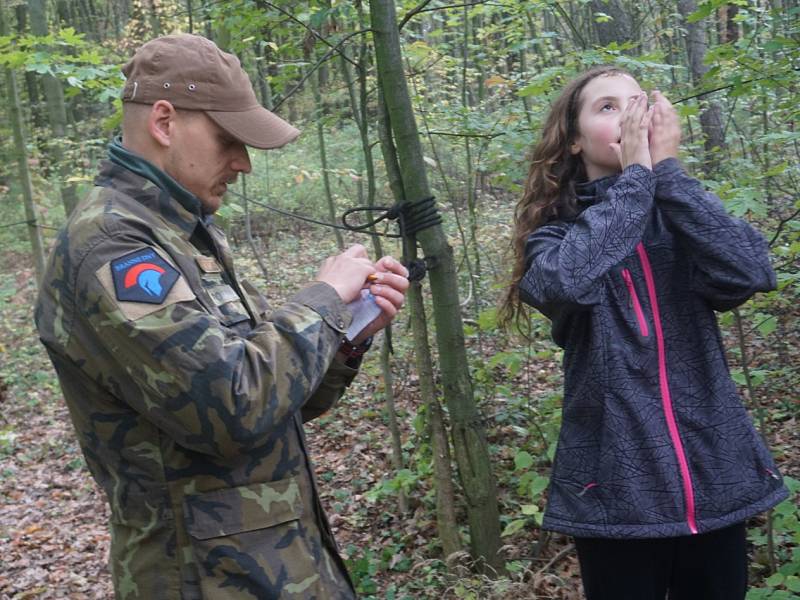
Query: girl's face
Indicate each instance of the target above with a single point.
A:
(601, 104)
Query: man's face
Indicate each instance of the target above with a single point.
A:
(205, 159)
(602, 102)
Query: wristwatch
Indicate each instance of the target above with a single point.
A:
(353, 353)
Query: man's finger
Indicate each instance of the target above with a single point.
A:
(389, 302)
(356, 251)
(393, 265)
(397, 282)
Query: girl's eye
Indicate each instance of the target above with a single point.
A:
(607, 106)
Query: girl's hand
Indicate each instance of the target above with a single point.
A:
(633, 146)
(665, 129)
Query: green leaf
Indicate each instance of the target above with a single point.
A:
(513, 527)
(793, 583)
(774, 579)
(523, 460)
(701, 13)
(529, 509)
(539, 485)
(768, 325)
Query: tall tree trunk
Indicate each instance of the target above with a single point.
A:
(711, 115)
(323, 155)
(15, 112)
(469, 437)
(359, 116)
(466, 103)
(56, 112)
(726, 25)
(31, 83)
(619, 29)
(446, 523)
(190, 14)
(264, 86)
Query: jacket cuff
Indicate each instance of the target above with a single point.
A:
(324, 300)
(339, 374)
(668, 168)
(641, 175)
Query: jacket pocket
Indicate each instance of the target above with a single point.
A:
(228, 304)
(251, 539)
(636, 305)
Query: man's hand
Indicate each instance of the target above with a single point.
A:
(665, 129)
(634, 124)
(347, 272)
(389, 289)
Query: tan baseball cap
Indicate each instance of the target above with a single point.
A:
(192, 73)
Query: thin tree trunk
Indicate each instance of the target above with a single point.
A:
(57, 114)
(31, 83)
(386, 367)
(323, 156)
(469, 437)
(619, 29)
(248, 230)
(471, 207)
(762, 425)
(37, 247)
(711, 115)
(190, 13)
(263, 83)
(446, 523)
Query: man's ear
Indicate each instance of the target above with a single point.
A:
(161, 122)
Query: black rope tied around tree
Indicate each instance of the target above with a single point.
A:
(411, 217)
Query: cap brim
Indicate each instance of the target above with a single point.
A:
(256, 127)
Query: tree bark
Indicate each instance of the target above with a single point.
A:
(619, 29)
(446, 522)
(359, 116)
(468, 434)
(316, 81)
(711, 115)
(31, 83)
(57, 114)
(15, 113)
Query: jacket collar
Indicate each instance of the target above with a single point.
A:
(140, 179)
(591, 192)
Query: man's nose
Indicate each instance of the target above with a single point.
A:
(241, 160)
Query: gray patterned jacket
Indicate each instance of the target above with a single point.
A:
(654, 441)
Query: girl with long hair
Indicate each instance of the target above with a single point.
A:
(658, 464)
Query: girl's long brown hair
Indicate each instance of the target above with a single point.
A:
(550, 186)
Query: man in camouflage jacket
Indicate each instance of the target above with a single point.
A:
(186, 391)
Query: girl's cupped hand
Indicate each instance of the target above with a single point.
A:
(633, 146)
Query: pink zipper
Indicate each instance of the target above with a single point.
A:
(666, 399)
(637, 307)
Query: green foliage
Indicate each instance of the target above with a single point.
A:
(490, 96)
(65, 54)
(785, 582)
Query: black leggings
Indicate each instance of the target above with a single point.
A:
(707, 566)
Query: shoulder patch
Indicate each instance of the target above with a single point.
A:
(143, 276)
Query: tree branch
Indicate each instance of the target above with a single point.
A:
(312, 31)
(420, 8)
(318, 64)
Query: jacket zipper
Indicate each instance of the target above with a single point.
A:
(637, 307)
(666, 399)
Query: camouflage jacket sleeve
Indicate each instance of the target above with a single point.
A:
(210, 389)
(336, 379)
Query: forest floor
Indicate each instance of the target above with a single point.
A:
(53, 522)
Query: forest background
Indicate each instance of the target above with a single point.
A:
(434, 467)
